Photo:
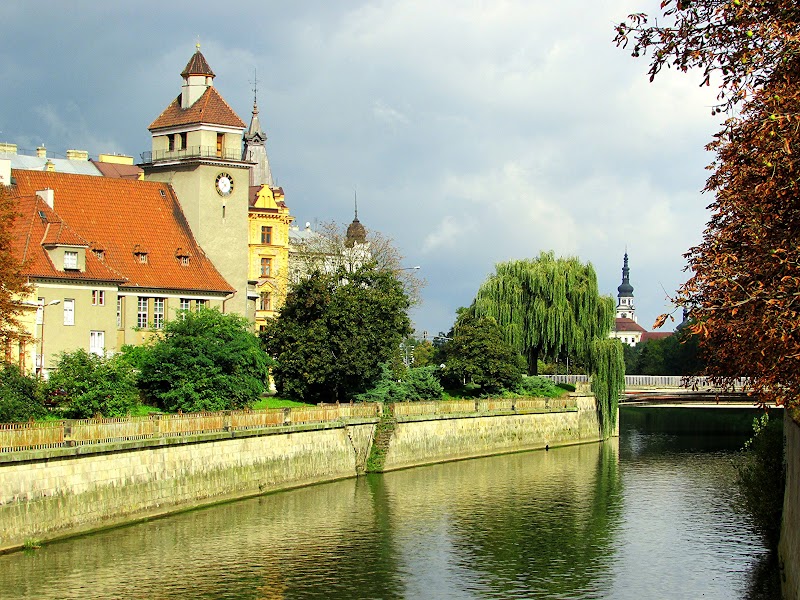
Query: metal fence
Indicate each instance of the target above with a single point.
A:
(649, 381)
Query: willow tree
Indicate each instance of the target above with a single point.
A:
(547, 307)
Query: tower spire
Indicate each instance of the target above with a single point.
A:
(625, 308)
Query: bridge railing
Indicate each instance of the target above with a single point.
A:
(650, 381)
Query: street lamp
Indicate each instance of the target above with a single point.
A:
(41, 337)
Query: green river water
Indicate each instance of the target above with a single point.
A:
(652, 514)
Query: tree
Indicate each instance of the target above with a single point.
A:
(477, 353)
(334, 331)
(86, 385)
(14, 285)
(20, 395)
(204, 361)
(546, 307)
(327, 250)
(744, 291)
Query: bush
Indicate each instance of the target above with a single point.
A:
(761, 475)
(539, 387)
(85, 385)
(20, 395)
(417, 383)
(203, 361)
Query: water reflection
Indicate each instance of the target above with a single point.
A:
(646, 516)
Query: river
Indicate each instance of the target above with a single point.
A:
(652, 514)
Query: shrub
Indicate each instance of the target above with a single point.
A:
(761, 476)
(417, 383)
(539, 387)
(85, 385)
(20, 395)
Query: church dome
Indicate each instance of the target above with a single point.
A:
(356, 233)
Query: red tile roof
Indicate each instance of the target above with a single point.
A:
(118, 170)
(628, 325)
(120, 216)
(37, 226)
(210, 108)
(655, 335)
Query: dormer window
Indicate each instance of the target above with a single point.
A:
(142, 256)
(99, 253)
(182, 256)
(70, 260)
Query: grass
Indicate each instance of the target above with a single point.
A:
(275, 402)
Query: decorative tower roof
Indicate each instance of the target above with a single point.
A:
(197, 65)
(356, 233)
(625, 289)
(255, 149)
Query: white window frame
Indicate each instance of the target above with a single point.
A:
(69, 311)
(119, 312)
(98, 297)
(158, 313)
(70, 259)
(97, 343)
(185, 304)
(39, 311)
(142, 311)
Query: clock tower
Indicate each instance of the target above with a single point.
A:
(197, 148)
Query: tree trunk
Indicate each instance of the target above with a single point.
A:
(533, 361)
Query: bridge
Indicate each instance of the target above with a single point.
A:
(668, 390)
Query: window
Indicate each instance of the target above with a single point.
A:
(119, 312)
(184, 260)
(141, 312)
(185, 303)
(171, 141)
(142, 257)
(183, 141)
(70, 259)
(266, 301)
(100, 254)
(200, 304)
(98, 298)
(97, 342)
(266, 267)
(69, 312)
(158, 313)
(220, 144)
(39, 310)
(266, 235)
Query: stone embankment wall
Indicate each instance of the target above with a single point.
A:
(45, 494)
(789, 548)
(435, 440)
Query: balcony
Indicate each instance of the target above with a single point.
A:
(191, 152)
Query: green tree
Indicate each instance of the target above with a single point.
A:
(20, 395)
(477, 353)
(334, 331)
(546, 307)
(85, 385)
(204, 361)
(424, 353)
(416, 383)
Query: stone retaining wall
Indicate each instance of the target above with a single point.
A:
(47, 494)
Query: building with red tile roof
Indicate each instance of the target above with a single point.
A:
(118, 255)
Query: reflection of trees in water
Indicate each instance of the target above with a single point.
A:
(763, 579)
(552, 534)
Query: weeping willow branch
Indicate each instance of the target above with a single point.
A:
(607, 367)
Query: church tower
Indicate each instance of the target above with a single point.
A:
(197, 148)
(255, 149)
(625, 308)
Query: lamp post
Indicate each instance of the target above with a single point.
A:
(41, 337)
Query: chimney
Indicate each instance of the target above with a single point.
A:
(50, 166)
(5, 171)
(47, 195)
(41, 152)
(117, 159)
(6, 148)
(77, 155)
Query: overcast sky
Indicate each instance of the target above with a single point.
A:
(475, 132)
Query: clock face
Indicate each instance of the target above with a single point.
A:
(224, 184)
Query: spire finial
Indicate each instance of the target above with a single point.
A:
(255, 91)
(197, 45)
(355, 201)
